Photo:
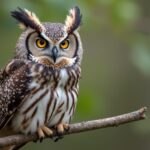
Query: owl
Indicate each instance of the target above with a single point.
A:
(39, 87)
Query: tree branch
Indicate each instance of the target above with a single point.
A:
(80, 127)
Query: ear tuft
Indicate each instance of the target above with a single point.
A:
(73, 20)
(27, 19)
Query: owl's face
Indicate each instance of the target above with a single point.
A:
(59, 47)
(52, 44)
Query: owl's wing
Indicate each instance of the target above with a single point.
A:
(13, 85)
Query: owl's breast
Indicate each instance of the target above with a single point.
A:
(52, 99)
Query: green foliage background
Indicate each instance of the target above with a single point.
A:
(115, 69)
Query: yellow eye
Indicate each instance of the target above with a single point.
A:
(41, 43)
(64, 44)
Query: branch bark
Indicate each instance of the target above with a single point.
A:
(80, 127)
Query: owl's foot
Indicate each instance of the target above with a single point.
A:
(60, 128)
(43, 131)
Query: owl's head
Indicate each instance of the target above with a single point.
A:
(53, 44)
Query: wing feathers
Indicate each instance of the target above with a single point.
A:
(12, 89)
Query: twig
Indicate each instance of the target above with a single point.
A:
(80, 127)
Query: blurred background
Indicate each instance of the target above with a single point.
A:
(115, 68)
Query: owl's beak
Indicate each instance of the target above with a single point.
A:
(54, 53)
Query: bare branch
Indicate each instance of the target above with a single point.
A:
(80, 127)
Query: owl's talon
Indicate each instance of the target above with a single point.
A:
(43, 131)
(61, 127)
(47, 131)
(40, 133)
(41, 140)
(66, 127)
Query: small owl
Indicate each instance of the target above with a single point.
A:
(39, 87)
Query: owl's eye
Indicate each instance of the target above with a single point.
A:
(41, 43)
(64, 44)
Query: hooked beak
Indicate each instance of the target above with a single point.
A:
(54, 53)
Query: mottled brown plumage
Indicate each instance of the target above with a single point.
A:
(39, 87)
(12, 77)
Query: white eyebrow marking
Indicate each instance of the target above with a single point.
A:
(46, 37)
